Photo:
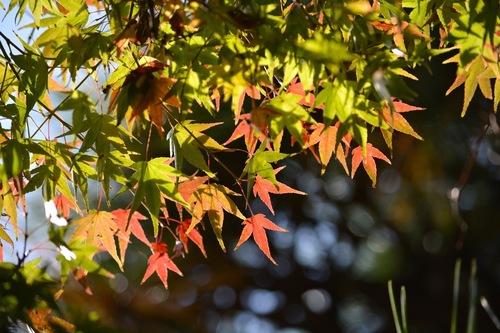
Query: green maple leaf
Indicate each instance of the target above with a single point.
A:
(154, 179)
(260, 164)
(189, 141)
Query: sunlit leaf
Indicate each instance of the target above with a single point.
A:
(263, 187)
(213, 200)
(129, 224)
(368, 161)
(194, 235)
(160, 263)
(152, 181)
(99, 229)
(257, 226)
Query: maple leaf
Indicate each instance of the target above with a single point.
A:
(260, 165)
(476, 72)
(128, 226)
(155, 179)
(256, 226)
(193, 235)
(368, 161)
(252, 92)
(188, 187)
(160, 263)
(397, 121)
(129, 34)
(99, 228)
(63, 206)
(144, 88)
(189, 141)
(297, 88)
(263, 187)
(326, 138)
(213, 200)
(251, 134)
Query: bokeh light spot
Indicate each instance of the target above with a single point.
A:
(317, 300)
(339, 187)
(224, 297)
(261, 301)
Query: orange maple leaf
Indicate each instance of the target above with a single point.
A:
(397, 121)
(188, 187)
(257, 226)
(326, 139)
(297, 88)
(193, 235)
(249, 132)
(99, 228)
(368, 161)
(145, 88)
(252, 92)
(63, 206)
(121, 218)
(129, 34)
(160, 263)
(262, 187)
(213, 200)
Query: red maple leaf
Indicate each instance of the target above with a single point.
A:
(257, 226)
(246, 129)
(252, 92)
(63, 206)
(160, 263)
(193, 235)
(262, 187)
(127, 227)
(296, 87)
(368, 161)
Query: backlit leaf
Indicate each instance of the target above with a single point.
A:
(257, 226)
(154, 179)
(368, 161)
(160, 263)
(213, 200)
(263, 187)
(129, 224)
(327, 141)
(194, 235)
(99, 229)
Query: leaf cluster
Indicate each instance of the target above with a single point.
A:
(324, 78)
